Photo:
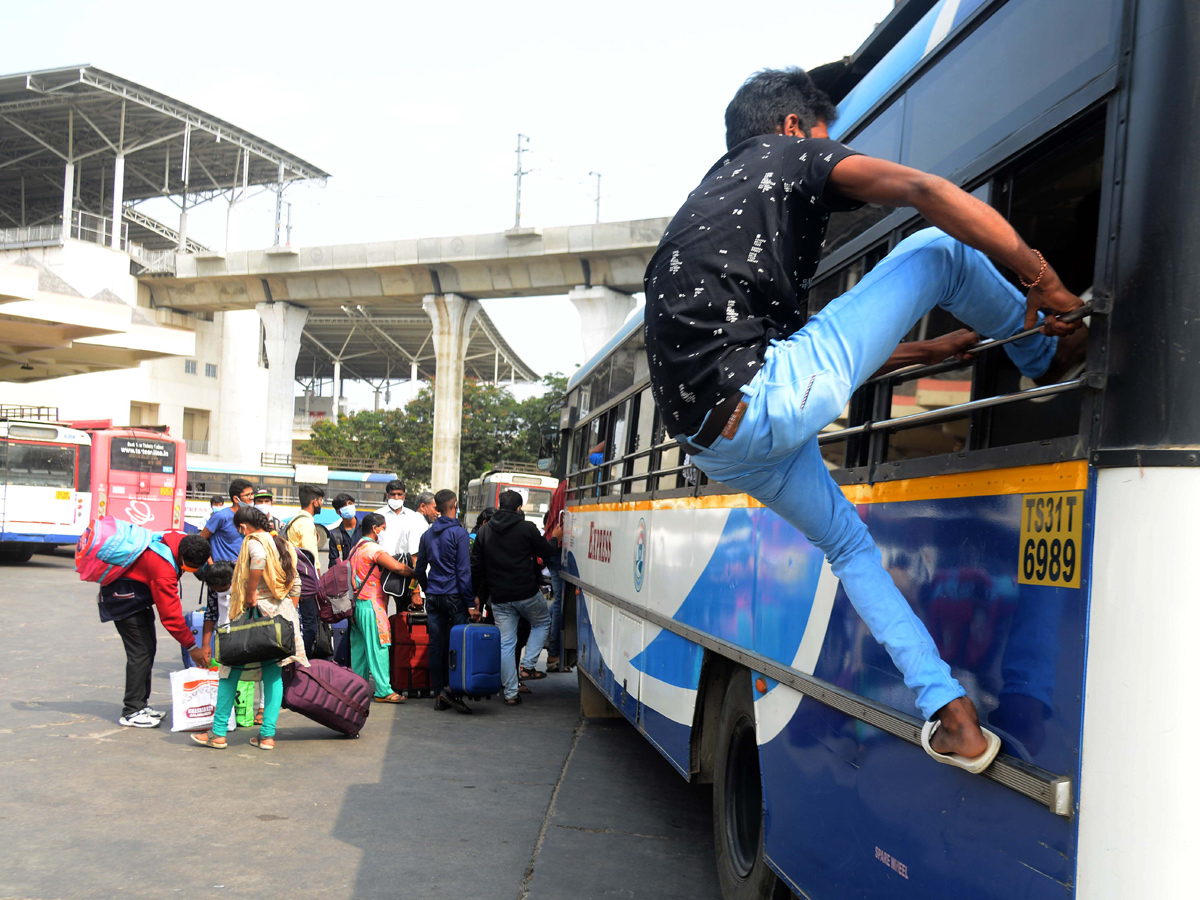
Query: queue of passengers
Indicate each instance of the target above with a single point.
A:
(249, 560)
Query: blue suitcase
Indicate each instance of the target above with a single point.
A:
(475, 660)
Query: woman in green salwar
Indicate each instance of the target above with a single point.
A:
(370, 630)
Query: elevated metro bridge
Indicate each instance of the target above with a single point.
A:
(373, 310)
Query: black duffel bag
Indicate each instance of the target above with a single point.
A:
(254, 638)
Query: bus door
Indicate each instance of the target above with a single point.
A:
(140, 477)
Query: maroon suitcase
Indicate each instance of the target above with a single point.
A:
(328, 694)
(410, 654)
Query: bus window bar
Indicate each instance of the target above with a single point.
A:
(911, 372)
(1046, 788)
(951, 412)
(577, 491)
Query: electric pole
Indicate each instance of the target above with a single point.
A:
(522, 140)
(597, 174)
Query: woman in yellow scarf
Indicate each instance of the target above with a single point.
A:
(265, 577)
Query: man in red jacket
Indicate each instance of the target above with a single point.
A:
(152, 581)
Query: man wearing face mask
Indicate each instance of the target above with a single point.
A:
(264, 502)
(348, 531)
(301, 531)
(402, 526)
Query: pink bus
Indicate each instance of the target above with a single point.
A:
(139, 475)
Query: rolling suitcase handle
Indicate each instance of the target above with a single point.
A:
(453, 660)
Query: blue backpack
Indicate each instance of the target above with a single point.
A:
(110, 545)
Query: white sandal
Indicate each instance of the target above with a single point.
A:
(972, 764)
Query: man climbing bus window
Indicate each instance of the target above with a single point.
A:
(745, 386)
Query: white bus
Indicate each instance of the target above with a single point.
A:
(535, 487)
(45, 500)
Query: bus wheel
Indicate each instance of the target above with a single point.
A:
(738, 801)
(16, 554)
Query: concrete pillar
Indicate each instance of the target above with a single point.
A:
(452, 315)
(118, 200)
(337, 390)
(68, 193)
(602, 312)
(412, 382)
(283, 323)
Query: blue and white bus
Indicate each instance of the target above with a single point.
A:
(206, 480)
(45, 494)
(1045, 535)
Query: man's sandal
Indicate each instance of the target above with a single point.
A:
(204, 740)
(531, 674)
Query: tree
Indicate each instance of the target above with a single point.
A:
(539, 416)
(495, 427)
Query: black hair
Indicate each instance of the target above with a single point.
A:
(341, 500)
(309, 493)
(216, 498)
(194, 550)
(395, 485)
(768, 97)
(483, 518)
(219, 575)
(443, 499)
(371, 521)
(510, 500)
(256, 518)
(237, 487)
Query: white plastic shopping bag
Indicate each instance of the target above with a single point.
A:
(194, 700)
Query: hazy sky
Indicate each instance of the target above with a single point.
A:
(414, 109)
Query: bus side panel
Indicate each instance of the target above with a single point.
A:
(852, 810)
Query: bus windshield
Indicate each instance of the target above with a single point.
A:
(141, 455)
(38, 465)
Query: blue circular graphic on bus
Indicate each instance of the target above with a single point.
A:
(639, 557)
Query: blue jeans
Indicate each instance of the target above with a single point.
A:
(804, 384)
(444, 611)
(507, 615)
(554, 644)
(309, 622)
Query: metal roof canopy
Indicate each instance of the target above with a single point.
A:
(88, 116)
(380, 345)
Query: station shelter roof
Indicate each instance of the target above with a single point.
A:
(86, 116)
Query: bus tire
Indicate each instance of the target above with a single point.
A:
(16, 554)
(738, 801)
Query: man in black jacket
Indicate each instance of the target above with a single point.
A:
(506, 570)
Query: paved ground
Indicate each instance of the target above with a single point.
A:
(508, 803)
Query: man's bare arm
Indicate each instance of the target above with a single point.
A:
(925, 353)
(961, 216)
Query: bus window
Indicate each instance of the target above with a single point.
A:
(141, 455)
(40, 465)
(83, 473)
(615, 450)
(668, 459)
(641, 440)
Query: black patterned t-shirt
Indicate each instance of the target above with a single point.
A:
(733, 270)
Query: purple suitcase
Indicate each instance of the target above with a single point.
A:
(328, 694)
